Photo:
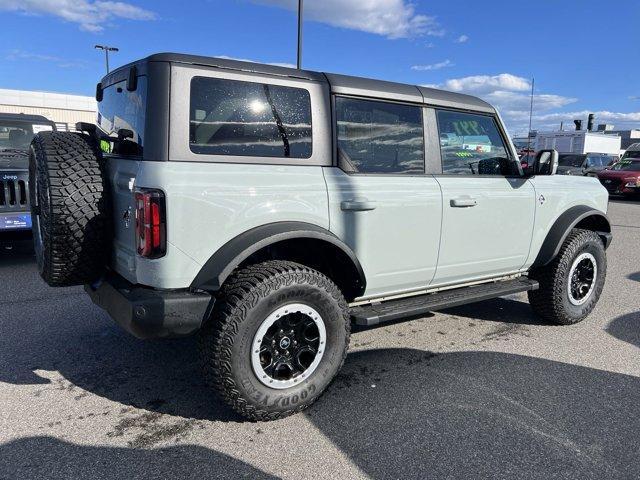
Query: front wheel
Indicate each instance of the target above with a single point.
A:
(277, 337)
(571, 284)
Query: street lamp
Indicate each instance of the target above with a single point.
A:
(106, 49)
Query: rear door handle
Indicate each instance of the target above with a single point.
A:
(464, 202)
(358, 205)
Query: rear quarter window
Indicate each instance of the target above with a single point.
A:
(238, 118)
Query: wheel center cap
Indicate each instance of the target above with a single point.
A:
(285, 342)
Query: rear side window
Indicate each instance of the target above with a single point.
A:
(230, 117)
(471, 144)
(379, 137)
(123, 111)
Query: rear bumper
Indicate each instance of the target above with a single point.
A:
(147, 313)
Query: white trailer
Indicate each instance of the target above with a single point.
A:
(581, 141)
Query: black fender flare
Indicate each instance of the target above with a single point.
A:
(563, 226)
(227, 258)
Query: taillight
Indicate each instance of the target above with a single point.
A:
(150, 223)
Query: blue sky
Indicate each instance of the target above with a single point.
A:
(581, 52)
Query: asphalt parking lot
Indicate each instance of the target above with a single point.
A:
(485, 390)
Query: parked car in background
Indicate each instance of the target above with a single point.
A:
(632, 152)
(588, 164)
(16, 132)
(623, 178)
(526, 160)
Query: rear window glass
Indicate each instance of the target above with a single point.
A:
(122, 113)
(230, 117)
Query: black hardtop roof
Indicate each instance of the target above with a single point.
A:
(23, 117)
(339, 83)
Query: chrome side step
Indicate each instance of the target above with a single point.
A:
(375, 313)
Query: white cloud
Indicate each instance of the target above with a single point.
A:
(462, 39)
(619, 119)
(390, 18)
(15, 55)
(514, 101)
(433, 66)
(510, 94)
(275, 64)
(482, 84)
(90, 15)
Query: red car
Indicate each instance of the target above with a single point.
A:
(622, 178)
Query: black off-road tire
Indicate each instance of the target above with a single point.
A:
(551, 301)
(70, 208)
(245, 301)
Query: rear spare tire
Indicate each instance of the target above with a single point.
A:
(69, 208)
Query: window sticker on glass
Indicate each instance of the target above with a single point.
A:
(471, 144)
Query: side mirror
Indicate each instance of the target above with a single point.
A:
(546, 162)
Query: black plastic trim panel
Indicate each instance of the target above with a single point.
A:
(563, 226)
(216, 270)
(390, 310)
(148, 313)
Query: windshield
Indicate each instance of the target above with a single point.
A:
(628, 166)
(17, 135)
(122, 113)
(571, 160)
(631, 154)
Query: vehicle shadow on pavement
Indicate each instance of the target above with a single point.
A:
(634, 276)
(46, 457)
(505, 310)
(14, 258)
(93, 355)
(404, 413)
(626, 328)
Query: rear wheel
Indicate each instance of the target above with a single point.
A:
(571, 284)
(278, 336)
(69, 208)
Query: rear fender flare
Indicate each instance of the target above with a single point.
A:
(226, 259)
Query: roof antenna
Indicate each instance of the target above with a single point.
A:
(300, 11)
(533, 83)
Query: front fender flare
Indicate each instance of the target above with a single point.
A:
(226, 259)
(563, 226)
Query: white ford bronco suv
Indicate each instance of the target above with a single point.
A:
(267, 208)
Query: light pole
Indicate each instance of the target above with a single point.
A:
(106, 49)
(300, 10)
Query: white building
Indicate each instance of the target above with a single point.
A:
(62, 109)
